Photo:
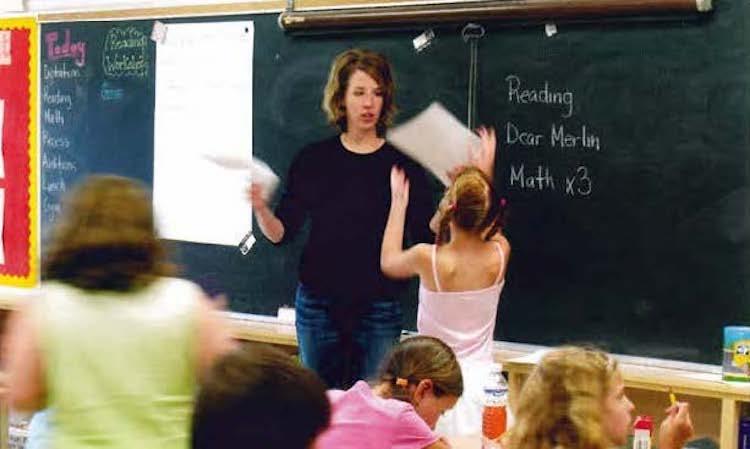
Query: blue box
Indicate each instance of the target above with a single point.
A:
(744, 440)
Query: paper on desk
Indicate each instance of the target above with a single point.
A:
(260, 172)
(435, 139)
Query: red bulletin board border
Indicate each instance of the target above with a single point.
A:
(19, 89)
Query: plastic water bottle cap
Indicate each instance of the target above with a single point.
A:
(644, 422)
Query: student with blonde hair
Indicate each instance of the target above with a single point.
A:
(112, 344)
(575, 399)
(461, 276)
(347, 312)
(418, 381)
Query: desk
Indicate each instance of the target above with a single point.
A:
(699, 381)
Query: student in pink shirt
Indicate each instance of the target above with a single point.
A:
(419, 380)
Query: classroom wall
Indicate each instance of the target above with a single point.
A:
(12, 7)
(707, 413)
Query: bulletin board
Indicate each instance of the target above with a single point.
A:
(18, 151)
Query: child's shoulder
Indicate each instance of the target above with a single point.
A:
(423, 255)
(500, 238)
(361, 398)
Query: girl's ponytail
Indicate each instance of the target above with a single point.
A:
(497, 216)
(419, 358)
(444, 230)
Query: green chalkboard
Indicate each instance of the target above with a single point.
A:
(624, 158)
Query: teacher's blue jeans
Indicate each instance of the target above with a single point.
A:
(341, 353)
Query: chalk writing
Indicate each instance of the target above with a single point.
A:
(583, 139)
(125, 53)
(57, 98)
(53, 117)
(519, 95)
(60, 71)
(559, 137)
(514, 135)
(56, 186)
(542, 180)
(563, 138)
(54, 142)
(51, 208)
(579, 184)
(111, 93)
(67, 49)
(57, 163)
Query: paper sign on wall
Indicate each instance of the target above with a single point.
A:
(2, 219)
(11, 5)
(5, 47)
(2, 149)
(203, 106)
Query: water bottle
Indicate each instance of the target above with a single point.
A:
(642, 430)
(494, 414)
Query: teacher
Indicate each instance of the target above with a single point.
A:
(347, 313)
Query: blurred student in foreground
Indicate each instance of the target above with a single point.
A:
(112, 344)
(575, 399)
(260, 397)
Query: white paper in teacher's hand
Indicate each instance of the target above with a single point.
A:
(435, 139)
(260, 172)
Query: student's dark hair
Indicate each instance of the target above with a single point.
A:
(260, 397)
(344, 65)
(105, 237)
(419, 358)
(472, 203)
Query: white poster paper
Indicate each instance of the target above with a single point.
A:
(203, 106)
(2, 149)
(11, 5)
(5, 47)
(2, 220)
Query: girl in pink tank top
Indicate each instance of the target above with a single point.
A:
(461, 276)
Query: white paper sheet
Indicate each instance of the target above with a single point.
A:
(11, 5)
(255, 169)
(435, 139)
(203, 105)
(5, 47)
(2, 149)
(2, 220)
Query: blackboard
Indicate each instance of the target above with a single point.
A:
(624, 158)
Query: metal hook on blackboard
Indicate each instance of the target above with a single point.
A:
(471, 33)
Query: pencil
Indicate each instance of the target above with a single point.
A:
(672, 397)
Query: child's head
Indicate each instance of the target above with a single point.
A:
(261, 397)
(574, 398)
(105, 238)
(471, 204)
(424, 372)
